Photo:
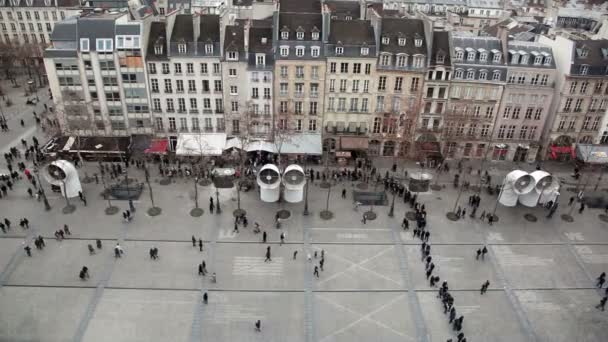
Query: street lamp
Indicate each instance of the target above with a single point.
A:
(217, 199)
(47, 206)
(305, 213)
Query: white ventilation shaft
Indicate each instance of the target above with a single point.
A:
(543, 181)
(516, 183)
(294, 181)
(63, 174)
(269, 180)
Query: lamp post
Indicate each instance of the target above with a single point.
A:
(47, 206)
(217, 199)
(305, 213)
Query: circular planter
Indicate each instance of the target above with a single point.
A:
(154, 211)
(326, 215)
(196, 212)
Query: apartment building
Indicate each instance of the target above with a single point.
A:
(526, 102)
(299, 29)
(351, 52)
(435, 98)
(476, 88)
(581, 95)
(97, 76)
(401, 68)
(478, 14)
(185, 75)
(32, 21)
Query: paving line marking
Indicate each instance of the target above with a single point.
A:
(16, 257)
(406, 274)
(309, 301)
(362, 317)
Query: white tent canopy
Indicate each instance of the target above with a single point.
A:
(295, 144)
(200, 144)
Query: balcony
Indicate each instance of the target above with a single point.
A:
(219, 111)
(314, 94)
(170, 110)
(255, 97)
(168, 91)
(255, 80)
(207, 111)
(191, 91)
(196, 129)
(208, 129)
(173, 130)
(298, 95)
(181, 111)
(299, 75)
(193, 111)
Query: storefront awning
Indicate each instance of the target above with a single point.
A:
(157, 146)
(200, 144)
(429, 148)
(293, 144)
(555, 150)
(354, 143)
(592, 154)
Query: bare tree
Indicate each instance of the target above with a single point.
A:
(244, 141)
(198, 162)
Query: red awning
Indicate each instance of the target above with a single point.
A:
(562, 150)
(158, 146)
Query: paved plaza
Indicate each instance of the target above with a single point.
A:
(373, 286)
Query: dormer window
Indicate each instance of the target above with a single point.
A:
(285, 35)
(300, 35)
(496, 57)
(584, 69)
(496, 75)
(418, 42)
(208, 49)
(158, 49)
(385, 60)
(524, 59)
(181, 48)
(284, 51)
(364, 51)
(459, 55)
(29, 2)
(84, 44)
(339, 50)
(47, 2)
(385, 40)
(584, 52)
(471, 56)
(470, 74)
(299, 51)
(538, 60)
(15, 3)
(315, 36)
(440, 58)
(401, 41)
(483, 75)
(260, 59)
(232, 56)
(514, 58)
(547, 60)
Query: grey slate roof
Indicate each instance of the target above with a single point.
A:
(410, 29)
(351, 32)
(294, 22)
(234, 39)
(183, 29)
(157, 35)
(596, 59)
(486, 43)
(64, 31)
(441, 44)
(341, 9)
(41, 3)
(255, 39)
(532, 49)
(209, 28)
(300, 6)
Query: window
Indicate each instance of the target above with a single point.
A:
(285, 35)
(332, 85)
(529, 111)
(342, 86)
(339, 50)
(355, 88)
(165, 67)
(385, 40)
(193, 104)
(260, 59)
(471, 56)
(332, 67)
(312, 125)
(313, 108)
(315, 36)
(578, 105)
(398, 83)
(283, 89)
(538, 60)
(284, 50)
(401, 41)
(283, 107)
(298, 126)
(483, 57)
(208, 49)
(234, 106)
(501, 131)
(379, 103)
(414, 86)
(190, 68)
(401, 61)
(217, 68)
(341, 104)
(366, 86)
(382, 83)
(129, 78)
(354, 105)
(104, 45)
(232, 56)
(584, 87)
(254, 93)
(532, 134)
(314, 72)
(418, 42)
(418, 62)
(364, 105)
(152, 68)
(298, 107)
(299, 35)
(523, 132)
(283, 71)
(177, 67)
(459, 55)
(483, 75)
(458, 73)
(506, 113)
(344, 68)
(567, 105)
(234, 90)
(356, 68)
(496, 57)
(179, 85)
(470, 74)
(547, 60)
(156, 105)
(204, 69)
(315, 51)
(300, 71)
(368, 68)
(267, 93)
(168, 86)
(181, 105)
(170, 107)
(84, 44)
(181, 48)
(385, 60)
(232, 72)
(364, 51)
(217, 85)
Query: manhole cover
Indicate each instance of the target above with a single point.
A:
(239, 212)
(154, 211)
(196, 212)
(530, 217)
(411, 215)
(567, 218)
(326, 215)
(165, 181)
(284, 214)
(362, 186)
(452, 216)
(370, 215)
(68, 209)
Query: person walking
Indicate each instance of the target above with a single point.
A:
(29, 192)
(316, 272)
(295, 254)
(204, 268)
(484, 287)
(267, 254)
(84, 273)
(602, 304)
(282, 238)
(582, 208)
(91, 249)
(321, 262)
(193, 241)
(343, 193)
(258, 325)
(478, 254)
(205, 298)
(601, 280)
(98, 244)
(200, 245)
(200, 269)
(405, 224)
(66, 230)
(364, 219)
(118, 251)
(28, 250)
(264, 237)
(452, 314)
(484, 251)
